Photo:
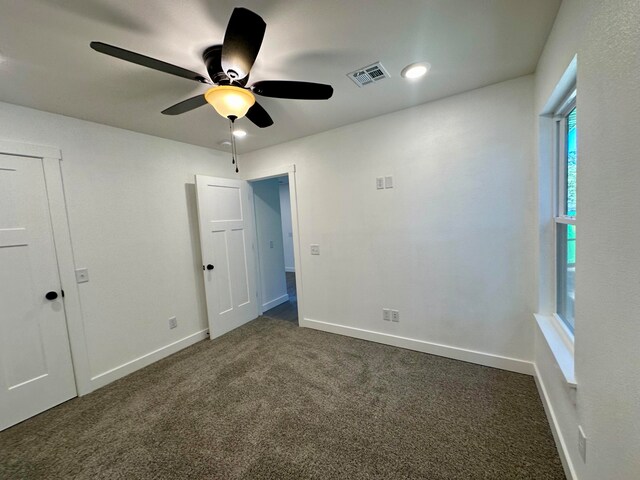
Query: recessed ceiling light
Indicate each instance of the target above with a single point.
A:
(415, 70)
(239, 133)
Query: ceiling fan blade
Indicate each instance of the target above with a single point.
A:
(259, 116)
(292, 89)
(186, 105)
(148, 62)
(242, 42)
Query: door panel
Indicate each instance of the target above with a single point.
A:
(224, 210)
(36, 372)
(220, 255)
(226, 203)
(238, 258)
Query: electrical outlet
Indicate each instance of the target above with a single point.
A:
(388, 182)
(315, 249)
(386, 314)
(582, 444)
(380, 183)
(82, 275)
(173, 322)
(395, 316)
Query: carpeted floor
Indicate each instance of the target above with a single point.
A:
(274, 401)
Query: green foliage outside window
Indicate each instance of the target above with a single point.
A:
(572, 160)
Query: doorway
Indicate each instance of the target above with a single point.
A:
(243, 269)
(36, 368)
(275, 249)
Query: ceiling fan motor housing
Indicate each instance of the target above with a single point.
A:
(211, 57)
(213, 60)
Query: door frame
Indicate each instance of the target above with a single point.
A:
(290, 172)
(51, 162)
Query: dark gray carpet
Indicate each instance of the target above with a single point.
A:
(274, 401)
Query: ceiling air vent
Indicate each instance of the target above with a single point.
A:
(368, 75)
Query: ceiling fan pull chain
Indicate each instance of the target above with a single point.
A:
(234, 152)
(233, 142)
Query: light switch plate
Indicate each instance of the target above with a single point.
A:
(380, 183)
(386, 314)
(582, 444)
(315, 249)
(388, 182)
(173, 322)
(82, 275)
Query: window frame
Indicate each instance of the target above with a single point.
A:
(560, 216)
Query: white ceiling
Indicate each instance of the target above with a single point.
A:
(47, 63)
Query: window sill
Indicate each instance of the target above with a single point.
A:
(560, 342)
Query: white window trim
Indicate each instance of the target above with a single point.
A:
(566, 220)
(552, 328)
(561, 342)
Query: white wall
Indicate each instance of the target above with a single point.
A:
(287, 229)
(266, 194)
(132, 214)
(605, 36)
(451, 246)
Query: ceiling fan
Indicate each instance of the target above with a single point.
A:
(228, 66)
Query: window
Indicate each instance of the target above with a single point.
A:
(565, 220)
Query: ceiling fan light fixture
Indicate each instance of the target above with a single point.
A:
(415, 70)
(230, 101)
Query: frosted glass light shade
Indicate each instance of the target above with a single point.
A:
(230, 101)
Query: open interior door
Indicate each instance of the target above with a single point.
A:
(226, 237)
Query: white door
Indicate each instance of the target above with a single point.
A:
(36, 372)
(226, 236)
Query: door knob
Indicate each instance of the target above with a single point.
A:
(209, 267)
(51, 295)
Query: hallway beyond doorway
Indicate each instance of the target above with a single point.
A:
(288, 310)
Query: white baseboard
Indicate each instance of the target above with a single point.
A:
(289, 269)
(480, 358)
(561, 444)
(275, 302)
(109, 376)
